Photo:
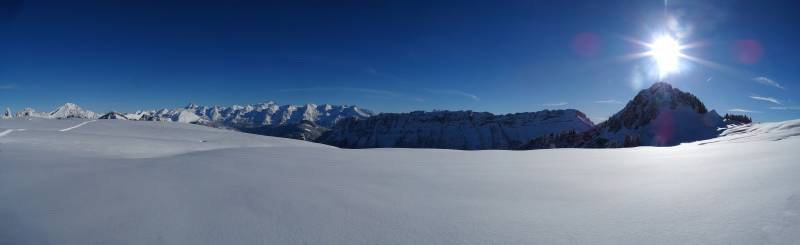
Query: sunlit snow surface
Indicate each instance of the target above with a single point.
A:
(130, 182)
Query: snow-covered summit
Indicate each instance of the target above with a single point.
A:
(658, 116)
(650, 103)
(662, 115)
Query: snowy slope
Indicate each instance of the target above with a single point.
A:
(131, 139)
(464, 130)
(133, 182)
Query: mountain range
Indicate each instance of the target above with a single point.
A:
(256, 115)
(657, 116)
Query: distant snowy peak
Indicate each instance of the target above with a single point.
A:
(186, 116)
(70, 110)
(465, 130)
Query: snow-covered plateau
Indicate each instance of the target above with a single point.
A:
(84, 181)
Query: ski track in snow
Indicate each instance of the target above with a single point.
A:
(76, 126)
(9, 131)
(6, 132)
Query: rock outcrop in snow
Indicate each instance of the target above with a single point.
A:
(658, 116)
(465, 130)
(7, 114)
(113, 115)
(30, 112)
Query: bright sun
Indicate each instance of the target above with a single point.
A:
(666, 52)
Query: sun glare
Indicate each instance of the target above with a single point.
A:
(666, 51)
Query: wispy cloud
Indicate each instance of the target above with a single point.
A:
(374, 92)
(555, 104)
(386, 93)
(768, 82)
(609, 101)
(740, 110)
(785, 108)
(453, 92)
(374, 72)
(7, 86)
(709, 79)
(767, 99)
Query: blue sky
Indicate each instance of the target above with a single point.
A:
(394, 56)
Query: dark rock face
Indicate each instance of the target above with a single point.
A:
(113, 115)
(464, 130)
(305, 130)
